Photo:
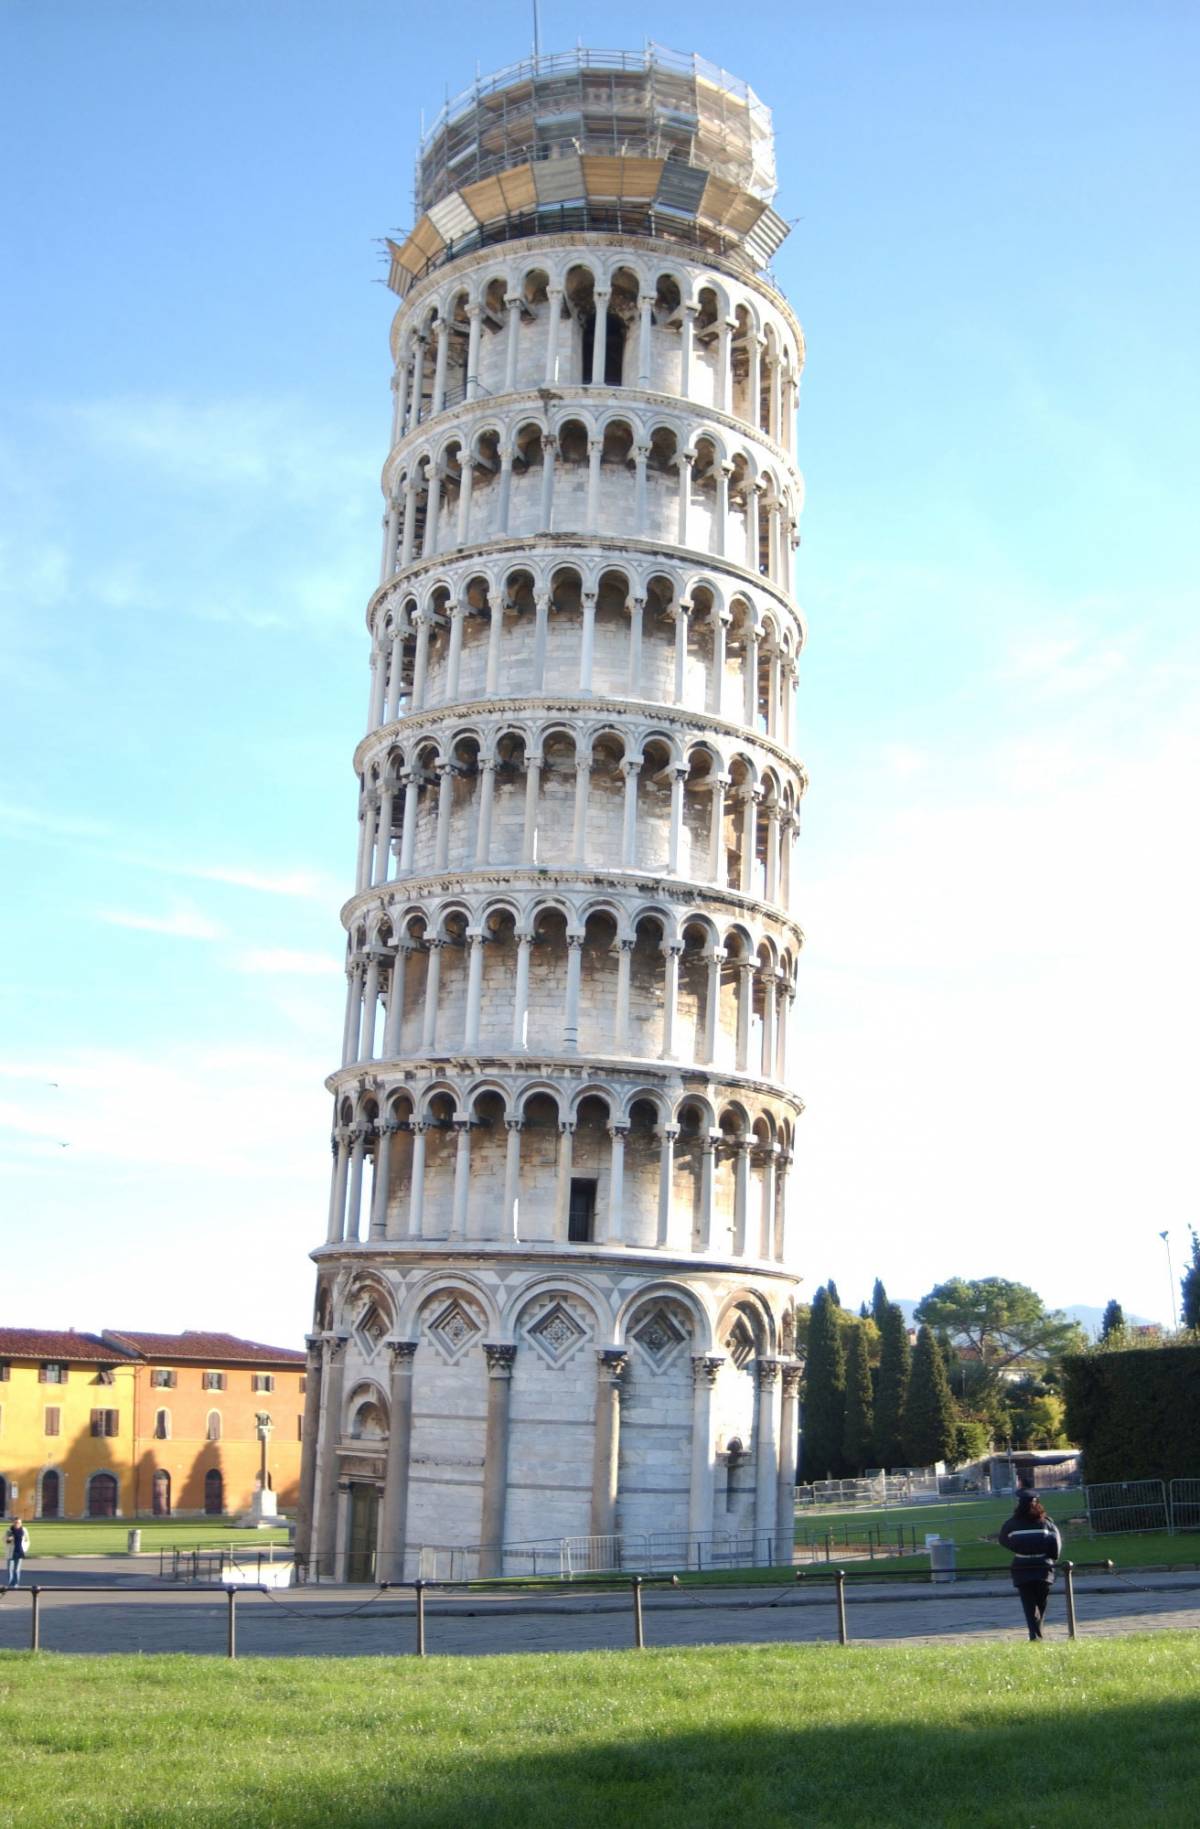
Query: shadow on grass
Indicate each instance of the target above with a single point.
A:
(1135, 1764)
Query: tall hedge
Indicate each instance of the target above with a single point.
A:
(1135, 1414)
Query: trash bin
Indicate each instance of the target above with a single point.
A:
(135, 1542)
(943, 1553)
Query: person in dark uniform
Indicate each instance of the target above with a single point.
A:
(1034, 1539)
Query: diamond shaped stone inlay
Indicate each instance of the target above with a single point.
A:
(454, 1329)
(371, 1327)
(557, 1333)
(659, 1335)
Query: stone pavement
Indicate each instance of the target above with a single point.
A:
(346, 1622)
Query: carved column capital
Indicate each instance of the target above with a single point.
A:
(705, 1367)
(767, 1372)
(500, 1359)
(612, 1362)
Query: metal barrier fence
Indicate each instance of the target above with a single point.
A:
(1117, 1506)
(1185, 1505)
(557, 1558)
(841, 1581)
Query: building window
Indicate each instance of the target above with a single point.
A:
(214, 1493)
(5, 1370)
(213, 1381)
(52, 1424)
(51, 1371)
(262, 1381)
(161, 1491)
(105, 1375)
(162, 1425)
(51, 1504)
(162, 1378)
(213, 1428)
(582, 1212)
(300, 1428)
(102, 1495)
(303, 1384)
(105, 1422)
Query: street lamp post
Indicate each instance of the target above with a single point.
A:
(1166, 1239)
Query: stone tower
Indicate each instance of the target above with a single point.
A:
(554, 1299)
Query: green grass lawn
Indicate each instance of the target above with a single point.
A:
(108, 1536)
(1053, 1736)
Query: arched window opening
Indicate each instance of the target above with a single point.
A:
(212, 1431)
(102, 1496)
(214, 1493)
(162, 1425)
(161, 1495)
(51, 1494)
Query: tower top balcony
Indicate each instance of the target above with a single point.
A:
(633, 143)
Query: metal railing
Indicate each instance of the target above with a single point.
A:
(1118, 1507)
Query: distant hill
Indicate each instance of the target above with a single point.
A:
(1088, 1318)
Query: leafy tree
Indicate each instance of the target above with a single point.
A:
(857, 1440)
(1114, 1320)
(929, 1421)
(895, 1357)
(972, 1439)
(1006, 1323)
(832, 1290)
(825, 1392)
(879, 1303)
(1038, 1414)
(1190, 1286)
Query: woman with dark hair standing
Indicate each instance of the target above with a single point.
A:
(1033, 1538)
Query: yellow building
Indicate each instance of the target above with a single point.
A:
(130, 1424)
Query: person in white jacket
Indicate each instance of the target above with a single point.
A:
(16, 1542)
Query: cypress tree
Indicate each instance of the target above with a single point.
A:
(1114, 1320)
(895, 1357)
(834, 1297)
(825, 1392)
(879, 1303)
(857, 1440)
(1189, 1288)
(929, 1420)
(864, 1313)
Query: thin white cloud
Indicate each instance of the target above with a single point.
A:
(184, 924)
(283, 962)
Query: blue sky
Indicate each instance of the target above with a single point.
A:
(995, 262)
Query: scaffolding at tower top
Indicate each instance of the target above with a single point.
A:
(656, 103)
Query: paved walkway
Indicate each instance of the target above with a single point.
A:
(343, 1622)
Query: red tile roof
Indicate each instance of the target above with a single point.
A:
(212, 1349)
(60, 1345)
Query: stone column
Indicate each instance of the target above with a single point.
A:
(395, 690)
(462, 1177)
(393, 1031)
(705, 1367)
(771, 815)
(408, 831)
(708, 1150)
(474, 314)
(683, 463)
(755, 347)
(541, 631)
(750, 680)
(466, 489)
(671, 953)
(475, 940)
(749, 798)
(416, 1192)
(562, 1189)
(745, 1004)
(721, 620)
(446, 772)
(767, 1062)
(533, 783)
(379, 1185)
(354, 978)
(641, 506)
(631, 768)
(611, 1362)
(766, 1242)
(393, 1524)
(400, 394)
(715, 958)
(766, 1452)
(417, 397)
(370, 825)
(753, 497)
(553, 313)
(521, 989)
(612, 1225)
(505, 502)
(587, 646)
(549, 458)
(741, 1192)
(313, 1368)
(781, 1199)
(433, 981)
(333, 1230)
(441, 332)
(621, 1016)
(512, 1180)
(592, 516)
(679, 775)
(500, 1359)
(599, 338)
(324, 1523)
(354, 1200)
(667, 1134)
(458, 613)
(645, 306)
(716, 832)
(687, 327)
(408, 536)
(635, 607)
(583, 782)
(495, 630)
(785, 1508)
(421, 618)
(571, 1012)
(378, 684)
(513, 307)
(776, 373)
(383, 837)
(724, 472)
(681, 612)
(724, 333)
(433, 508)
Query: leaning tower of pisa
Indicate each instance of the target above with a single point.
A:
(554, 1302)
